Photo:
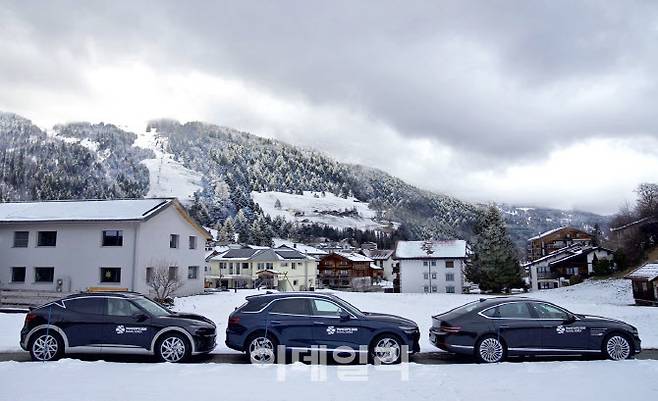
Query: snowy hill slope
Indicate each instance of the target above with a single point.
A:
(316, 207)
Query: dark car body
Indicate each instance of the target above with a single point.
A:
(306, 321)
(526, 327)
(115, 323)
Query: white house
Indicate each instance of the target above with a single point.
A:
(284, 269)
(72, 246)
(431, 266)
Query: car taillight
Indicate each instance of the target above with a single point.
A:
(30, 317)
(450, 329)
(232, 320)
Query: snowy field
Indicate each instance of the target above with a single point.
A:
(315, 208)
(610, 298)
(538, 381)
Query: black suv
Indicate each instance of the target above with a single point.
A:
(322, 322)
(114, 323)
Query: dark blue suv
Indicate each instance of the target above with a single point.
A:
(314, 321)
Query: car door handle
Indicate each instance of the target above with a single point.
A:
(504, 326)
(275, 322)
(318, 322)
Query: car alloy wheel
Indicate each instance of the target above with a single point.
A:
(618, 348)
(387, 351)
(173, 349)
(491, 350)
(45, 347)
(261, 350)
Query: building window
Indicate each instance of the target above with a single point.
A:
(293, 265)
(434, 288)
(434, 263)
(450, 263)
(17, 274)
(294, 282)
(426, 289)
(149, 274)
(21, 239)
(425, 275)
(283, 264)
(173, 240)
(173, 273)
(450, 276)
(433, 276)
(192, 272)
(424, 263)
(192, 241)
(450, 289)
(110, 274)
(222, 265)
(47, 238)
(44, 274)
(230, 268)
(112, 238)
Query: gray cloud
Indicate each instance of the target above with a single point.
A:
(502, 82)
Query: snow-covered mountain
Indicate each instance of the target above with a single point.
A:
(259, 187)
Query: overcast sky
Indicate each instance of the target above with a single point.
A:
(544, 103)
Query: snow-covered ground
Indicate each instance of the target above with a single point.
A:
(312, 207)
(167, 177)
(538, 381)
(610, 298)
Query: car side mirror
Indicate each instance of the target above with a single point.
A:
(344, 316)
(140, 317)
(570, 319)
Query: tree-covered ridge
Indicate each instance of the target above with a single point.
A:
(35, 166)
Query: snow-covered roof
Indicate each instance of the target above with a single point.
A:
(648, 272)
(303, 248)
(82, 210)
(545, 233)
(378, 254)
(354, 257)
(375, 267)
(455, 248)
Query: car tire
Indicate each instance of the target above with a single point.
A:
(617, 347)
(261, 349)
(386, 349)
(491, 349)
(173, 347)
(46, 346)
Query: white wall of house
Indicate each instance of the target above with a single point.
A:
(429, 275)
(79, 254)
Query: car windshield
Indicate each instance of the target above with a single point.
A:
(152, 307)
(351, 308)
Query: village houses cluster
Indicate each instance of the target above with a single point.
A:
(72, 246)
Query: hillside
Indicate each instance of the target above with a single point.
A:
(232, 180)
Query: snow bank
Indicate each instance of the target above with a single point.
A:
(312, 207)
(586, 380)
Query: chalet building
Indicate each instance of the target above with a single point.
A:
(558, 268)
(341, 269)
(283, 269)
(72, 246)
(554, 240)
(645, 284)
(431, 266)
(382, 258)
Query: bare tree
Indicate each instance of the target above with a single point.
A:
(164, 280)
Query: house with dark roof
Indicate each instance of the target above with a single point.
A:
(283, 269)
(553, 240)
(71, 246)
(382, 258)
(558, 268)
(348, 270)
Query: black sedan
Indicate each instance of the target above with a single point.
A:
(495, 328)
(123, 323)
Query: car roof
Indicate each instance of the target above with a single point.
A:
(293, 294)
(114, 294)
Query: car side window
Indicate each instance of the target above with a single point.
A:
(92, 306)
(514, 310)
(547, 311)
(491, 312)
(290, 306)
(320, 307)
(121, 307)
